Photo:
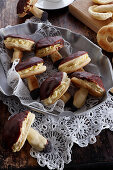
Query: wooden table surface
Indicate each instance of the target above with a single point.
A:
(101, 152)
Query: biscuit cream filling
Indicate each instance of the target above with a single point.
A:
(18, 42)
(45, 51)
(33, 68)
(58, 91)
(24, 131)
(94, 86)
(75, 62)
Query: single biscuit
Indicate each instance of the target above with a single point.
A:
(16, 130)
(99, 15)
(89, 81)
(54, 87)
(20, 42)
(74, 62)
(26, 6)
(30, 67)
(48, 45)
(105, 38)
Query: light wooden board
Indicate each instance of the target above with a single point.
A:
(79, 9)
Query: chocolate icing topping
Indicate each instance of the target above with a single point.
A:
(21, 5)
(19, 36)
(12, 129)
(89, 77)
(49, 41)
(73, 56)
(48, 86)
(28, 63)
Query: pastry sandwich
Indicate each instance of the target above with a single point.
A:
(74, 62)
(19, 43)
(54, 87)
(32, 66)
(18, 128)
(28, 69)
(89, 81)
(50, 46)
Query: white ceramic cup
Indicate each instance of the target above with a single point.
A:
(53, 0)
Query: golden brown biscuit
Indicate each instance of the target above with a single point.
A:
(26, 6)
(18, 128)
(30, 67)
(99, 15)
(54, 87)
(19, 43)
(89, 81)
(80, 97)
(74, 62)
(105, 38)
(49, 45)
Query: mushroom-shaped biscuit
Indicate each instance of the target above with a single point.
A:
(74, 62)
(18, 128)
(19, 43)
(89, 81)
(50, 46)
(54, 87)
(26, 6)
(28, 69)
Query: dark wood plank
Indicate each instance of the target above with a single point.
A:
(102, 150)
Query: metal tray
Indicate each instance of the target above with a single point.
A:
(77, 41)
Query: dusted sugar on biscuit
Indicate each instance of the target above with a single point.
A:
(54, 87)
(74, 62)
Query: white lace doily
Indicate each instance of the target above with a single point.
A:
(66, 128)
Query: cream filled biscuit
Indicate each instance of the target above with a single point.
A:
(18, 128)
(89, 81)
(20, 42)
(30, 67)
(49, 45)
(54, 87)
(74, 62)
(26, 6)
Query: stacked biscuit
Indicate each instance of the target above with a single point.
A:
(104, 11)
